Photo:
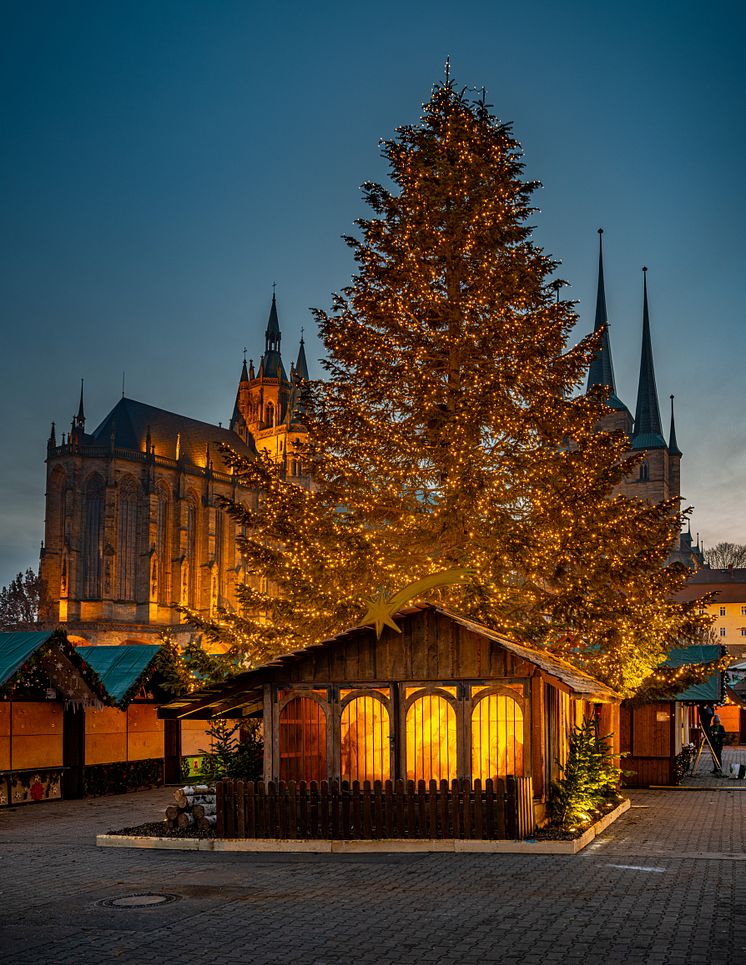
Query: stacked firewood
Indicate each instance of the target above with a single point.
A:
(195, 807)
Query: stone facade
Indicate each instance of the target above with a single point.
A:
(133, 521)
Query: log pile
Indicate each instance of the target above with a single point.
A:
(195, 807)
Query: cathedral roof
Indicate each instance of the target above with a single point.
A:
(129, 422)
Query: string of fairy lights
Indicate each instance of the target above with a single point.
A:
(449, 432)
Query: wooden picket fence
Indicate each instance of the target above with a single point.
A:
(329, 810)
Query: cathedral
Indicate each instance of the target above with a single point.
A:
(659, 474)
(133, 521)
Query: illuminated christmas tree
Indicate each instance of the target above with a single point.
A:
(451, 432)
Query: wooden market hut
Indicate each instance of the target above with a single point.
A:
(124, 745)
(45, 689)
(444, 699)
(654, 733)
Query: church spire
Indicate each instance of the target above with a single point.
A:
(272, 335)
(80, 418)
(648, 432)
(301, 366)
(601, 371)
(672, 444)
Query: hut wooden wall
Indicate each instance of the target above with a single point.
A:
(648, 737)
(112, 735)
(32, 733)
(430, 647)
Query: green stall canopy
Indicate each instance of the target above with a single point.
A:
(123, 670)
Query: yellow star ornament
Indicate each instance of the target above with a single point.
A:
(382, 607)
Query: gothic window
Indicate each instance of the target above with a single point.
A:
(644, 472)
(190, 552)
(127, 553)
(269, 414)
(219, 554)
(162, 544)
(93, 537)
(57, 507)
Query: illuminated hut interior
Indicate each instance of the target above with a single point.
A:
(446, 698)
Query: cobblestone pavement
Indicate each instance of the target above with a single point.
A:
(703, 776)
(665, 884)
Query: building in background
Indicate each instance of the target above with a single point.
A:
(133, 520)
(658, 476)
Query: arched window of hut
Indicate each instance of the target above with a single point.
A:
(431, 739)
(364, 733)
(303, 740)
(496, 738)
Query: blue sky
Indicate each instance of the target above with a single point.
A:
(162, 163)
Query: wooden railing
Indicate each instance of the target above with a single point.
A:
(500, 809)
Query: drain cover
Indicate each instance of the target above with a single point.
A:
(145, 900)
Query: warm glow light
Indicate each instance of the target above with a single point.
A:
(365, 745)
(431, 739)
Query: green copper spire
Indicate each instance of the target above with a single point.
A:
(648, 432)
(672, 444)
(601, 371)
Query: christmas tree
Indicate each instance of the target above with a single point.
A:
(451, 432)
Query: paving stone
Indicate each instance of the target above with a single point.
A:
(665, 885)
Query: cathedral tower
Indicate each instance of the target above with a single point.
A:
(268, 405)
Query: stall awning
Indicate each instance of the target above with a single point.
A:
(17, 647)
(58, 662)
(123, 670)
(710, 690)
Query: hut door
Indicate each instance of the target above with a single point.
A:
(172, 751)
(431, 739)
(303, 740)
(73, 752)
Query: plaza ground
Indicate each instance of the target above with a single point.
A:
(665, 884)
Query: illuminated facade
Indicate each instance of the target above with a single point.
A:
(133, 520)
(446, 698)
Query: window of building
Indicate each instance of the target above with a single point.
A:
(743, 611)
(743, 631)
(365, 747)
(722, 631)
(644, 472)
(190, 552)
(93, 537)
(127, 554)
(431, 739)
(496, 738)
(162, 545)
(722, 611)
(303, 740)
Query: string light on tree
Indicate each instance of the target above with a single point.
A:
(450, 432)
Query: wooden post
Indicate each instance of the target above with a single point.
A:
(538, 725)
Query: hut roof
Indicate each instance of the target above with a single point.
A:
(244, 689)
(59, 660)
(123, 670)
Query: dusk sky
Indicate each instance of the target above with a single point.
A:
(163, 163)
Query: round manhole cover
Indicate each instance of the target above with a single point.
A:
(146, 900)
